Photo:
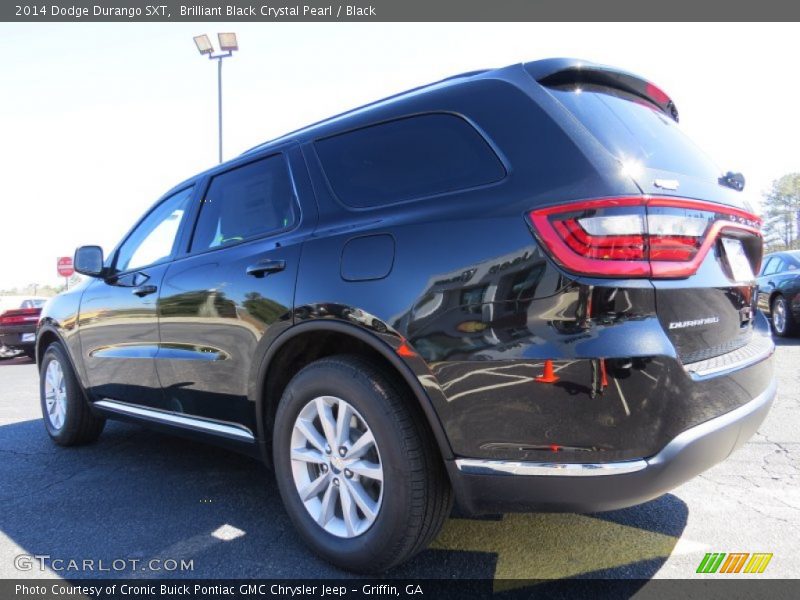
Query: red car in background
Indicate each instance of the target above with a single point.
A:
(18, 318)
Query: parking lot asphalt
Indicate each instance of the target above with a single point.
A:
(137, 495)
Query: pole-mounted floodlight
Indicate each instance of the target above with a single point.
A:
(203, 44)
(228, 44)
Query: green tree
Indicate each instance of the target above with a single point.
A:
(782, 213)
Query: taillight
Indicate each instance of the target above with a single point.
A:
(20, 316)
(639, 236)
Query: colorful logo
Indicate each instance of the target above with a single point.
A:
(735, 562)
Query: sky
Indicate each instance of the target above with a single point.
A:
(97, 120)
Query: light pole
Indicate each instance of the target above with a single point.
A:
(227, 45)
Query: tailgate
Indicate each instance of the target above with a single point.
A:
(705, 301)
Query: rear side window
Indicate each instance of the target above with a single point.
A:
(246, 202)
(773, 266)
(406, 159)
(632, 129)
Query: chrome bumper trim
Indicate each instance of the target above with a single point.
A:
(228, 430)
(474, 466)
(759, 348)
(502, 467)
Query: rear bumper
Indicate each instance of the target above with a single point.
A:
(492, 486)
(12, 336)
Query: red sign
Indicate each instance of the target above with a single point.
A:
(65, 266)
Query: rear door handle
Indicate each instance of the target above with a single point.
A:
(265, 267)
(144, 290)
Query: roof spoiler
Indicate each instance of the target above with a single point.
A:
(564, 71)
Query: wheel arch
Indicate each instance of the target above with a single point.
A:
(45, 338)
(772, 297)
(290, 351)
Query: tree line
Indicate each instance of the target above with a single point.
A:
(781, 213)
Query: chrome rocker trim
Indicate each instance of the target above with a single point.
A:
(227, 430)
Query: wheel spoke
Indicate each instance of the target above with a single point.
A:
(308, 455)
(311, 434)
(366, 469)
(343, 423)
(348, 510)
(364, 502)
(314, 487)
(328, 505)
(327, 421)
(49, 377)
(361, 445)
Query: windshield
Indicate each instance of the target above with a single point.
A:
(635, 131)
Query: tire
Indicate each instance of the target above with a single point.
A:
(30, 353)
(414, 497)
(67, 417)
(783, 321)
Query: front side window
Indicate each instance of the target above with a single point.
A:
(246, 202)
(409, 158)
(154, 238)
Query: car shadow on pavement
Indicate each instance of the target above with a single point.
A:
(16, 360)
(786, 341)
(141, 495)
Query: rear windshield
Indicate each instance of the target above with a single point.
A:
(632, 129)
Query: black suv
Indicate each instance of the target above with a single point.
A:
(779, 291)
(523, 288)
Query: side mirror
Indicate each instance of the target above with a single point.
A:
(89, 261)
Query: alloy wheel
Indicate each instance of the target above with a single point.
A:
(779, 315)
(336, 466)
(55, 394)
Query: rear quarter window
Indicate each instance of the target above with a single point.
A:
(407, 159)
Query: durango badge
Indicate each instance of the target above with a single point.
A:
(693, 323)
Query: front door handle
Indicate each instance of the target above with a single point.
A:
(265, 267)
(144, 290)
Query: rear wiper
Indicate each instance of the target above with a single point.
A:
(732, 180)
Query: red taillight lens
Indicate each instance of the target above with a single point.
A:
(20, 316)
(606, 247)
(637, 236)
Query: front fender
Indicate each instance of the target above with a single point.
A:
(59, 322)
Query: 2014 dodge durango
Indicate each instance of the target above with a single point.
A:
(522, 288)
